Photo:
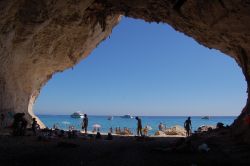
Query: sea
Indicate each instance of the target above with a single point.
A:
(65, 121)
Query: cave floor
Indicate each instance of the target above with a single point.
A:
(122, 151)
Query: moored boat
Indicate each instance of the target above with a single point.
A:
(127, 116)
(205, 117)
(110, 118)
(77, 115)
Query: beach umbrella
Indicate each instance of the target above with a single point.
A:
(148, 127)
(97, 126)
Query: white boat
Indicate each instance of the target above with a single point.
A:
(127, 116)
(110, 118)
(77, 115)
(205, 117)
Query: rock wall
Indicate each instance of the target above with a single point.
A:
(41, 37)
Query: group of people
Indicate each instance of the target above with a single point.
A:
(117, 130)
(19, 124)
(187, 126)
(140, 131)
(125, 131)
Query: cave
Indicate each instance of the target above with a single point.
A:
(41, 38)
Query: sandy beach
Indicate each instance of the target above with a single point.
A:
(123, 151)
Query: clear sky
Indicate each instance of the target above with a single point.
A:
(147, 69)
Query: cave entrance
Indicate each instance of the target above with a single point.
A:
(147, 70)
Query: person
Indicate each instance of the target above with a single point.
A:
(35, 126)
(19, 124)
(98, 135)
(188, 126)
(55, 126)
(85, 123)
(119, 130)
(109, 137)
(24, 124)
(2, 121)
(145, 131)
(139, 126)
(116, 130)
(111, 130)
(161, 127)
(94, 130)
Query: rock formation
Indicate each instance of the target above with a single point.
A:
(41, 37)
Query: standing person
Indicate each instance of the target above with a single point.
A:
(111, 130)
(188, 126)
(24, 124)
(85, 123)
(139, 126)
(35, 126)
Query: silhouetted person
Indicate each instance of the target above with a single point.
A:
(85, 123)
(35, 126)
(109, 137)
(139, 126)
(111, 130)
(119, 130)
(188, 126)
(19, 124)
(24, 124)
(98, 135)
(116, 130)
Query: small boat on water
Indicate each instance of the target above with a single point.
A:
(127, 116)
(205, 117)
(110, 118)
(77, 115)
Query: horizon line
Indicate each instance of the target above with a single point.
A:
(140, 115)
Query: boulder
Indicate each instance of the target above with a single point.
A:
(160, 133)
(175, 130)
(205, 128)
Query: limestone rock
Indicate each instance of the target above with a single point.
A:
(175, 130)
(39, 38)
(205, 128)
(160, 133)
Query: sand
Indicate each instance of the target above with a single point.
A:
(122, 151)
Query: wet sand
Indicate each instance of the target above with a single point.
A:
(122, 151)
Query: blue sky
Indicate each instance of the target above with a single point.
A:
(147, 69)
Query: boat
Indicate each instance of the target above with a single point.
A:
(127, 116)
(205, 117)
(110, 118)
(77, 115)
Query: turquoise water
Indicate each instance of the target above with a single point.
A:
(64, 121)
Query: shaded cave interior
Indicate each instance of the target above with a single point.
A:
(40, 38)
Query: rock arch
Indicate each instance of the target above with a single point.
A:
(41, 37)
